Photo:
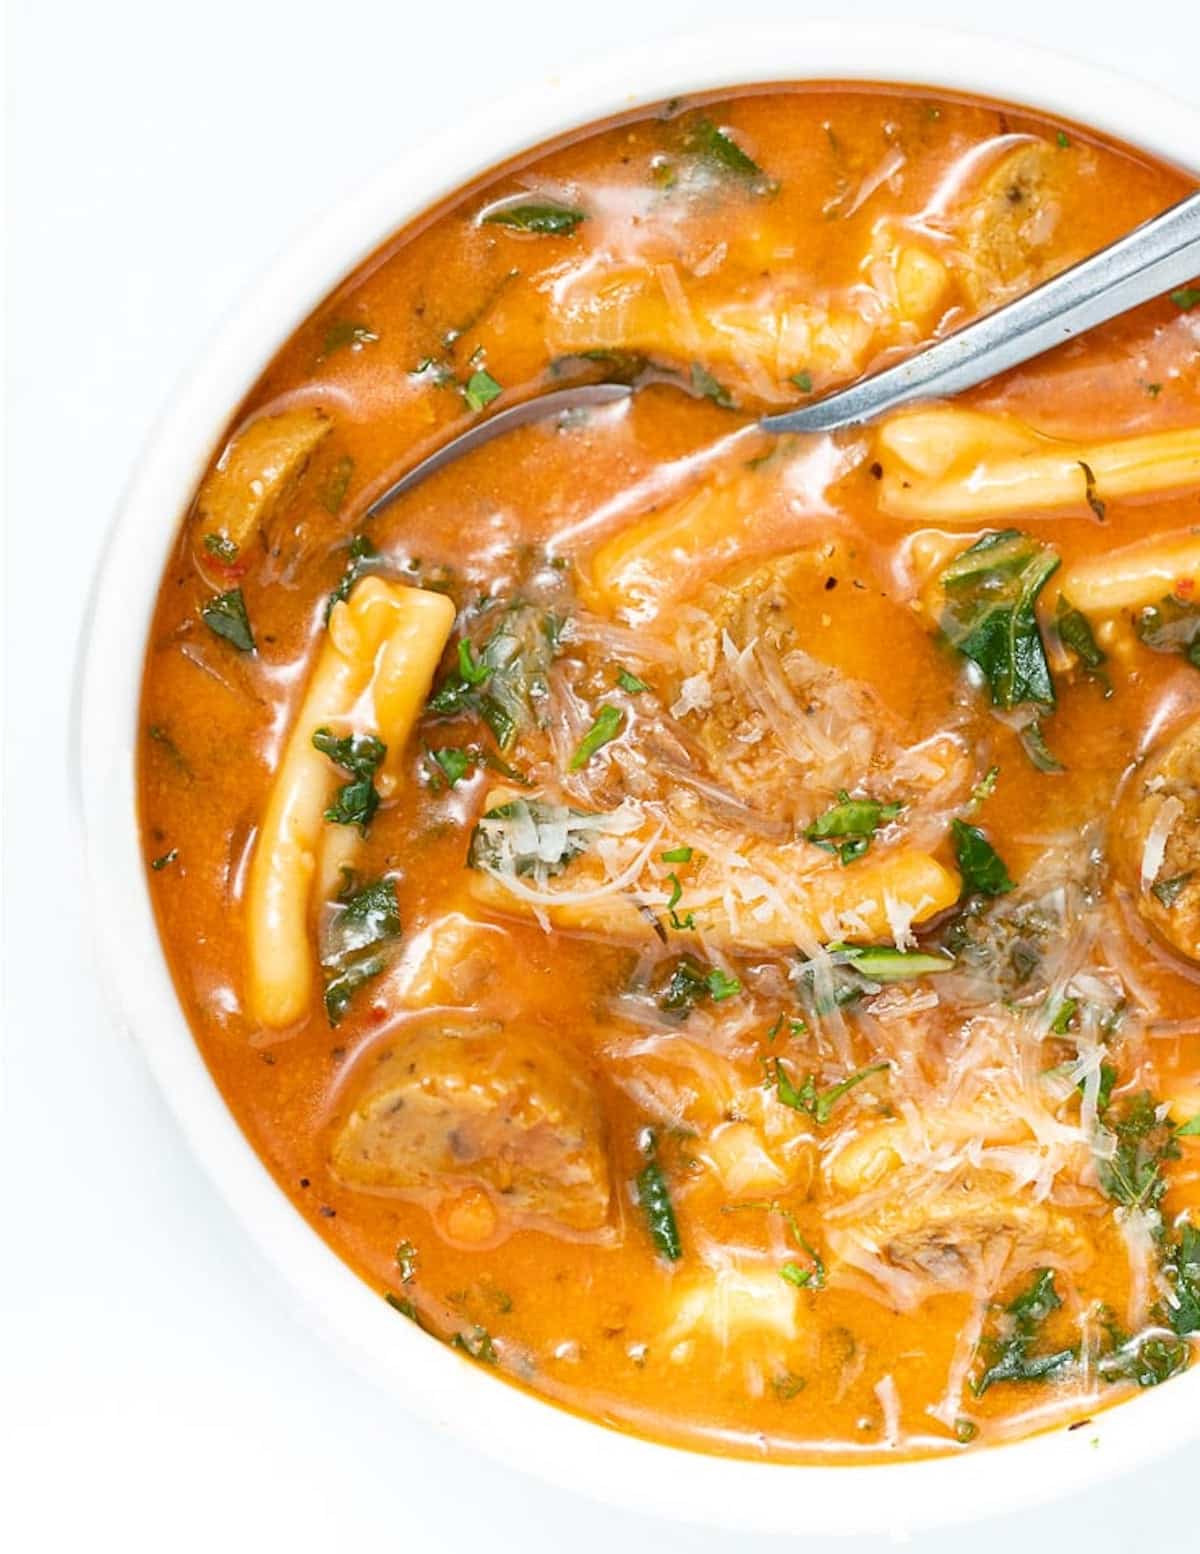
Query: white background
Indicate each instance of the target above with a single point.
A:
(158, 1392)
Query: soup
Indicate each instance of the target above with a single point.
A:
(708, 925)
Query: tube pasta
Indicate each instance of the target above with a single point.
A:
(963, 466)
(410, 626)
(1135, 576)
(856, 904)
(256, 471)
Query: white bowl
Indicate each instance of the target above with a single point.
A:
(427, 1378)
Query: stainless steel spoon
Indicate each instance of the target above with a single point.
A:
(1160, 254)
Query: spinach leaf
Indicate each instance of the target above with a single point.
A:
(1075, 632)
(361, 555)
(505, 683)
(1147, 1360)
(856, 819)
(225, 616)
(1181, 1268)
(1171, 626)
(542, 216)
(332, 492)
(654, 1198)
(989, 614)
(1145, 1141)
(979, 863)
(343, 332)
(718, 149)
(352, 951)
(360, 755)
(1011, 1355)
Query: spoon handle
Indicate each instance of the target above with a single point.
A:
(1161, 253)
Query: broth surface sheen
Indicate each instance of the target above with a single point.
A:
(708, 926)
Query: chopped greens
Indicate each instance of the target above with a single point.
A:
(535, 837)
(222, 547)
(1186, 297)
(505, 682)
(654, 1198)
(803, 381)
(1168, 892)
(979, 863)
(361, 555)
(332, 492)
(689, 983)
(1144, 1141)
(161, 862)
(453, 763)
(1011, 1355)
(677, 855)
(718, 149)
(630, 682)
(480, 389)
(353, 943)
(609, 722)
(225, 616)
(856, 820)
(989, 615)
(478, 1344)
(805, 1097)
(1033, 742)
(882, 963)
(543, 216)
(704, 384)
(1171, 626)
(343, 332)
(1181, 1269)
(680, 924)
(1075, 633)
(360, 755)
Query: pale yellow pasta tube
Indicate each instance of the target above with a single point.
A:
(963, 466)
(644, 567)
(377, 615)
(855, 904)
(1135, 576)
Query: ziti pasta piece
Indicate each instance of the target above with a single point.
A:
(858, 904)
(1134, 576)
(405, 629)
(257, 470)
(963, 466)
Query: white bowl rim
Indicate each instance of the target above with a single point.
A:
(432, 1382)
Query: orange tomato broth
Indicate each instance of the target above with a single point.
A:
(847, 1366)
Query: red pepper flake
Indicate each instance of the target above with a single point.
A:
(1185, 587)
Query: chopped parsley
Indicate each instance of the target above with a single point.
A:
(505, 682)
(225, 616)
(361, 555)
(630, 682)
(704, 384)
(677, 855)
(689, 983)
(805, 1097)
(803, 381)
(680, 924)
(1168, 892)
(222, 547)
(478, 1344)
(719, 151)
(847, 828)
(609, 722)
(480, 389)
(1186, 297)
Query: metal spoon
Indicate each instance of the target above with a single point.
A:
(1161, 253)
